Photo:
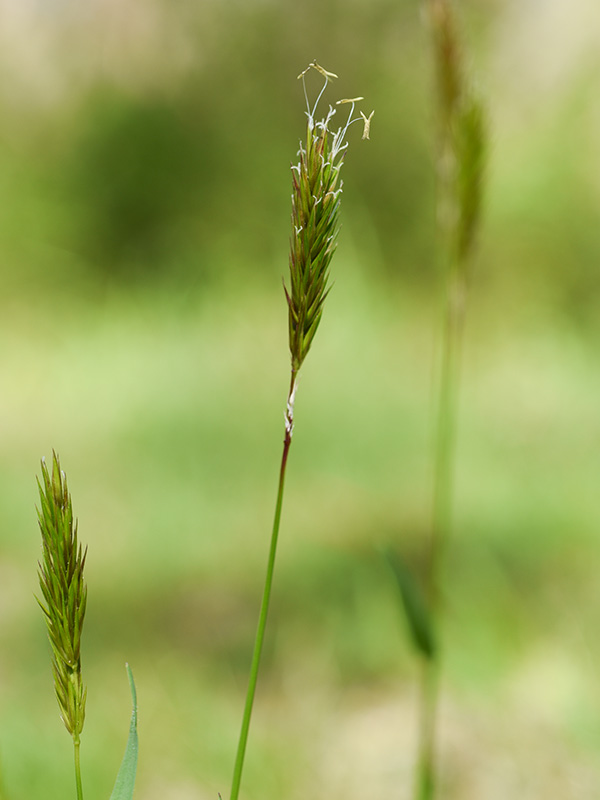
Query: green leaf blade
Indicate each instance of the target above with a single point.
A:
(124, 784)
(414, 604)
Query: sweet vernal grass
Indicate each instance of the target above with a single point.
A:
(64, 597)
(460, 159)
(316, 198)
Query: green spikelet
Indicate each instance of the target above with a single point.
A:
(316, 199)
(64, 594)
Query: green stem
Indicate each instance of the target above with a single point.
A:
(264, 609)
(446, 429)
(426, 772)
(77, 769)
(442, 519)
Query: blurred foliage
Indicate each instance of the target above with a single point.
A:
(168, 161)
(133, 171)
(144, 185)
(182, 178)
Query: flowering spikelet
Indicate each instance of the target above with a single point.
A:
(64, 594)
(316, 190)
(462, 135)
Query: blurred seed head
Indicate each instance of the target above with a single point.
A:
(462, 135)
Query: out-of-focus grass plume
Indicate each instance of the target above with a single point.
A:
(461, 135)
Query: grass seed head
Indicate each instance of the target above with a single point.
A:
(447, 55)
(316, 199)
(64, 593)
(462, 135)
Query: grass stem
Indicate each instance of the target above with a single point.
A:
(266, 598)
(443, 480)
(443, 484)
(77, 770)
(426, 768)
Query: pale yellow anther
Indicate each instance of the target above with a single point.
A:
(349, 100)
(367, 122)
(325, 73)
(313, 65)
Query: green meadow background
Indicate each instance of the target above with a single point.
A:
(144, 220)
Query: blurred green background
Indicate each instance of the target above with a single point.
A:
(144, 184)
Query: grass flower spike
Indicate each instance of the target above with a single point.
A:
(64, 594)
(316, 200)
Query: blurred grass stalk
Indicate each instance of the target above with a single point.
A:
(64, 594)
(316, 190)
(460, 160)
